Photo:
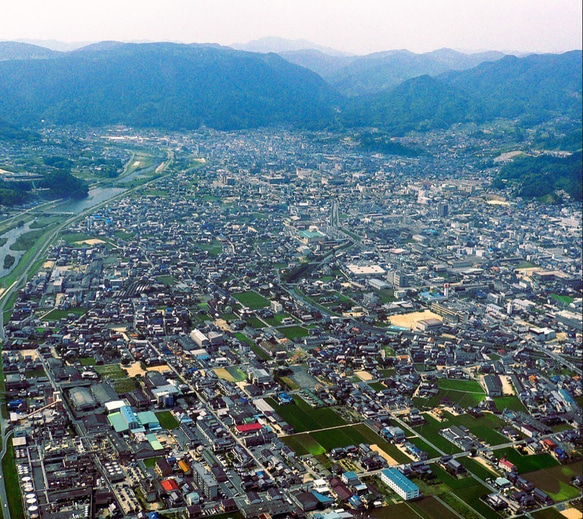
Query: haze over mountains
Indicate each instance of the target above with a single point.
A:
(181, 86)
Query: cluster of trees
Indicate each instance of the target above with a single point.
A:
(543, 176)
(57, 183)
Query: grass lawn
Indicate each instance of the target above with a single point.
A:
(527, 463)
(555, 480)
(167, 420)
(303, 417)
(87, 361)
(11, 482)
(511, 403)
(150, 462)
(567, 300)
(251, 300)
(35, 373)
(294, 332)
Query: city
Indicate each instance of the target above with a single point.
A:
(284, 323)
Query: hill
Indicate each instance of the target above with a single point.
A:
(541, 177)
(163, 85)
(10, 50)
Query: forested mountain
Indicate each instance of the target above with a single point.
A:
(163, 85)
(175, 86)
(532, 89)
(373, 73)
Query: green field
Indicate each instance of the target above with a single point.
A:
(527, 463)
(303, 417)
(319, 442)
(11, 481)
(431, 431)
(150, 462)
(432, 508)
(294, 332)
(483, 427)
(431, 452)
(467, 386)
(461, 398)
(548, 513)
(476, 468)
(55, 315)
(555, 480)
(119, 377)
(471, 495)
(567, 300)
(251, 300)
(254, 322)
(511, 403)
(167, 420)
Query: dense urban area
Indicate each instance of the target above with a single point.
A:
(283, 323)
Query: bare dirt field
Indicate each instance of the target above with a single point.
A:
(411, 320)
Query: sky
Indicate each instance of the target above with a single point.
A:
(355, 26)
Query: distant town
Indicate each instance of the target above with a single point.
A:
(284, 323)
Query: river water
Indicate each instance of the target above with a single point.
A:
(96, 196)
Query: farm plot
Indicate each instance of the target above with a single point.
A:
(303, 417)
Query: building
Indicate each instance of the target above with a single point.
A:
(402, 486)
(493, 385)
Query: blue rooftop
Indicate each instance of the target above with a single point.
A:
(403, 482)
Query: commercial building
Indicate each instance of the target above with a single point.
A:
(402, 486)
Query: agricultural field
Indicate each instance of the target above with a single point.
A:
(477, 468)
(483, 427)
(55, 315)
(465, 393)
(118, 376)
(303, 417)
(320, 442)
(251, 300)
(512, 403)
(432, 508)
(167, 420)
(232, 374)
(294, 332)
(431, 430)
(555, 480)
(528, 463)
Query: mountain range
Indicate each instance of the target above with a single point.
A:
(186, 86)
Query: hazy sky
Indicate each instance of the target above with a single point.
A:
(358, 26)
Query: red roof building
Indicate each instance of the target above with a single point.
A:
(169, 485)
(249, 428)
